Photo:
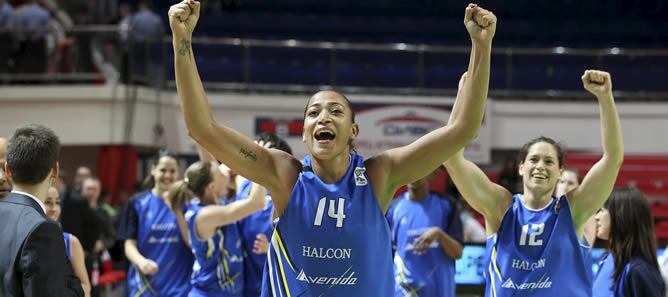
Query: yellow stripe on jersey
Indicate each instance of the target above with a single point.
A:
(275, 240)
(210, 248)
(496, 268)
(491, 277)
(280, 244)
(402, 266)
(225, 265)
(229, 281)
(146, 282)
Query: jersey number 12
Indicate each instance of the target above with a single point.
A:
(334, 212)
(537, 229)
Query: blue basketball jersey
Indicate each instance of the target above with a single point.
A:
(433, 272)
(588, 259)
(332, 240)
(159, 239)
(537, 253)
(257, 223)
(68, 249)
(603, 279)
(640, 278)
(218, 267)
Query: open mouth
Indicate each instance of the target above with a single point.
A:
(324, 135)
(539, 176)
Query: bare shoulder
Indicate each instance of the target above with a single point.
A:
(378, 170)
(377, 167)
(74, 241)
(286, 163)
(287, 168)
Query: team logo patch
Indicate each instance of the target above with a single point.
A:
(360, 179)
(509, 284)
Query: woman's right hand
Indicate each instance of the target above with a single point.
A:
(261, 244)
(183, 18)
(598, 83)
(148, 267)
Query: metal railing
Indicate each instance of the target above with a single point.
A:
(295, 66)
(550, 67)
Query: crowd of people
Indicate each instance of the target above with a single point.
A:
(249, 219)
(40, 37)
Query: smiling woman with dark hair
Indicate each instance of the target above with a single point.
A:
(332, 237)
(154, 238)
(534, 238)
(626, 222)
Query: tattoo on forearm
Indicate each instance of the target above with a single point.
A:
(248, 154)
(185, 47)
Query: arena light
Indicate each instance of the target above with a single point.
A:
(291, 42)
(559, 50)
(400, 46)
(615, 51)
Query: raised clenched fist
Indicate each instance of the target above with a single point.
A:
(183, 18)
(597, 82)
(480, 23)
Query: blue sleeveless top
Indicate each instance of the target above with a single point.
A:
(257, 223)
(433, 272)
(159, 239)
(602, 286)
(218, 267)
(332, 240)
(537, 253)
(68, 249)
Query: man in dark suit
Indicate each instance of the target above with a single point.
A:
(33, 261)
(5, 182)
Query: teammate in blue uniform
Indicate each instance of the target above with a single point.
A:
(632, 269)
(569, 180)
(534, 245)
(73, 249)
(427, 234)
(215, 240)
(154, 243)
(331, 238)
(602, 284)
(256, 229)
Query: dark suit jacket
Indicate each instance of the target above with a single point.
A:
(32, 257)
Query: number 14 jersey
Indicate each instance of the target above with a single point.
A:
(537, 253)
(331, 240)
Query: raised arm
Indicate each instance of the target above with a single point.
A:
(213, 216)
(485, 196)
(597, 185)
(256, 163)
(416, 160)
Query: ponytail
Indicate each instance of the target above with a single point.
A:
(197, 177)
(179, 194)
(148, 183)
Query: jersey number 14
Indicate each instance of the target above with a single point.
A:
(335, 211)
